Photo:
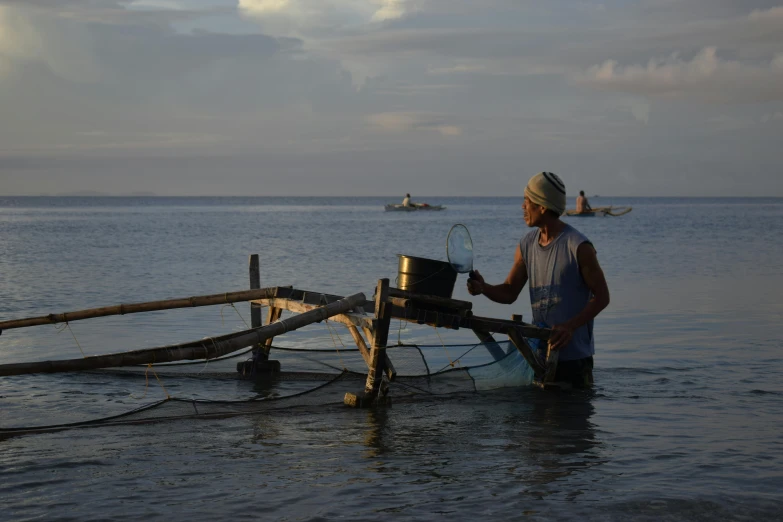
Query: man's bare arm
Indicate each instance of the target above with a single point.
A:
(506, 292)
(594, 278)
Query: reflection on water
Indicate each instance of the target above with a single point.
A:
(561, 436)
(375, 435)
(548, 436)
(542, 438)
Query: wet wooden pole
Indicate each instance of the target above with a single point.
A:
(208, 348)
(548, 358)
(260, 363)
(375, 388)
(255, 283)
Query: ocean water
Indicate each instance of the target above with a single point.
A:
(685, 421)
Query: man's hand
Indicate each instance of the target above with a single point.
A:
(561, 336)
(476, 284)
(507, 291)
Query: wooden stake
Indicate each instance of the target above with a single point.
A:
(255, 283)
(378, 352)
(255, 310)
(552, 357)
(375, 389)
(359, 340)
(391, 373)
(273, 316)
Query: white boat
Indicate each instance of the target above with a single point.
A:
(411, 208)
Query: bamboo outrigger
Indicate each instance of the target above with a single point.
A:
(209, 348)
(600, 211)
(371, 318)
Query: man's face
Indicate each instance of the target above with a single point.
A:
(531, 212)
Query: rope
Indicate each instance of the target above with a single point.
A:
(206, 352)
(451, 363)
(147, 383)
(463, 355)
(329, 328)
(68, 326)
(239, 314)
(412, 387)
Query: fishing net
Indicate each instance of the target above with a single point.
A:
(309, 378)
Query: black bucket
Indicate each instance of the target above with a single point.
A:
(426, 276)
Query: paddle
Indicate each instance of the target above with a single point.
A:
(459, 250)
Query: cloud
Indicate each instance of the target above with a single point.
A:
(319, 18)
(34, 36)
(774, 116)
(772, 17)
(403, 122)
(706, 77)
(457, 69)
(18, 37)
(390, 10)
(264, 7)
(641, 111)
(434, 84)
(449, 130)
(143, 87)
(156, 5)
(523, 38)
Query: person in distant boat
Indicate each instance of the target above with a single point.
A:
(407, 201)
(567, 285)
(582, 205)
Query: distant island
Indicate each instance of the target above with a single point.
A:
(96, 194)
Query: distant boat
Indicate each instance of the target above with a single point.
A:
(412, 207)
(600, 211)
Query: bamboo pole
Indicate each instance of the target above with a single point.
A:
(359, 340)
(274, 315)
(375, 388)
(348, 319)
(519, 341)
(374, 381)
(149, 306)
(388, 368)
(430, 299)
(209, 348)
(490, 344)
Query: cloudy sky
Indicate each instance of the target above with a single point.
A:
(382, 97)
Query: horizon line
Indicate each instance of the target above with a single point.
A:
(152, 195)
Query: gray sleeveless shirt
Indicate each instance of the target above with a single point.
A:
(558, 291)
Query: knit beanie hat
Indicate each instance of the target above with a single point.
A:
(547, 190)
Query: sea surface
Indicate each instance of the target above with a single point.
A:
(685, 421)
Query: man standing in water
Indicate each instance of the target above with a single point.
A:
(567, 285)
(582, 205)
